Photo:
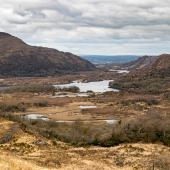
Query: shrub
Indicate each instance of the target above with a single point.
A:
(148, 101)
(34, 88)
(145, 85)
(41, 103)
(72, 89)
(5, 107)
(167, 95)
(150, 128)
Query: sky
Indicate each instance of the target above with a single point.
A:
(106, 27)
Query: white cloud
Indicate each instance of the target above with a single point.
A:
(114, 26)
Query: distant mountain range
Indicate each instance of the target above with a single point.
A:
(105, 59)
(19, 59)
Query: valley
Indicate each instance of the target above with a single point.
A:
(84, 85)
(84, 120)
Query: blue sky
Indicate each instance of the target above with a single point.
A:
(107, 27)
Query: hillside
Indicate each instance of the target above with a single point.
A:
(153, 67)
(153, 77)
(141, 62)
(29, 152)
(136, 63)
(19, 59)
(161, 66)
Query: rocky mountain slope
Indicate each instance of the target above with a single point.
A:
(142, 62)
(19, 59)
(154, 67)
(154, 77)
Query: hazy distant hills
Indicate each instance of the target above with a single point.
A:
(105, 59)
(19, 59)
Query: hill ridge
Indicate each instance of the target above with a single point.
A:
(20, 59)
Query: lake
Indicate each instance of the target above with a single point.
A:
(34, 116)
(96, 86)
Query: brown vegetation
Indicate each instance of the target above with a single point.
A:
(19, 59)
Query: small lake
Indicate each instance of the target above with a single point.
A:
(97, 86)
(88, 107)
(119, 71)
(36, 117)
(42, 117)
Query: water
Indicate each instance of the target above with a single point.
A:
(111, 121)
(88, 107)
(36, 117)
(108, 121)
(117, 59)
(119, 71)
(42, 117)
(97, 86)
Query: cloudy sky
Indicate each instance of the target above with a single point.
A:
(108, 27)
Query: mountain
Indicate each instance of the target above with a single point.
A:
(19, 59)
(161, 66)
(158, 66)
(151, 77)
(141, 62)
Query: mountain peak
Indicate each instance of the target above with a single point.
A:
(20, 59)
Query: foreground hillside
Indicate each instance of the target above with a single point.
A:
(29, 152)
(19, 59)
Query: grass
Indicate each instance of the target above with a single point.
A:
(12, 162)
(6, 107)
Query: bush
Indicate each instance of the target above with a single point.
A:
(144, 128)
(167, 95)
(34, 88)
(72, 89)
(41, 104)
(150, 128)
(148, 101)
(6, 138)
(5, 107)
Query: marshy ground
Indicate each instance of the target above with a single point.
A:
(39, 145)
